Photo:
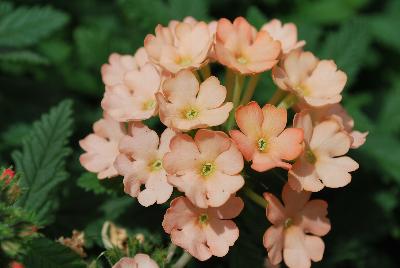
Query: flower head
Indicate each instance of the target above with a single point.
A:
(101, 147)
(337, 112)
(76, 242)
(284, 33)
(140, 162)
(322, 162)
(263, 138)
(206, 168)
(179, 46)
(316, 82)
(135, 99)
(203, 232)
(113, 73)
(240, 47)
(139, 261)
(7, 175)
(297, 227)
(185, 105)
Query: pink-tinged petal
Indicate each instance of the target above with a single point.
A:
(266, 161)
(303, 120)
(315, 247)
(153, 47)
(147, 80)
(180, 213)
(225, 29)
(297, 66)
(275, 211)
(193, 186)
(181, 89)
(246, 146)
(303, 176)
(220, 236)
(165, 140)
(109, 128)
(295, 253)
(359, 138)
(211, 143)
(158, 190)
(322, 135)
(132, 186)
(273, 241)
(113, 73)
(230, 162)
(196, 43)
(183, 156)
(314, 218)
(249, 119)
(288, 145)
(221, 186)
(275, 120)
(170, 59)
(211, 94)
(244, 30)
(229, 210)
(217, 116)
(142, 144)
(138, 261)
(293, 200)
(334, 172)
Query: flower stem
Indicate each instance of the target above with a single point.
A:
(256, 198)
(288, 101)
(205, 72)
(237, 92)
(183, 260)
(196, 73)
(251, 87)
(229, 83)
(170, 253)
(277, 97)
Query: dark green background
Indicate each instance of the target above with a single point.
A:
(362, 36)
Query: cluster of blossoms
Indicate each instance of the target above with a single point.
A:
(201, 152)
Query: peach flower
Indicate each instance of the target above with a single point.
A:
(135, 99)
(240, 47)
(207, 169)
(316, 82)
(139, 261)
(322, 162)
(187, 105)
(297, 227)
(263, 137)
(284, 33)
(179, 46)
(140, 162)
(203, 232)
(102, 147)
(340, 114)
(113, 73)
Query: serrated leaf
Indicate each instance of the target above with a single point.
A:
(23, 56)
(42, 161)
(45, 253)
(348, 47)
(26, 26)
(91, 183)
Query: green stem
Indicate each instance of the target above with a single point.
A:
(229, 83)
(251, 87)
(196, 73)
(277, 97)
(205, 72)
(288, 101)
(237, 92)
(256, 198)
(170, 253)
(183, 260)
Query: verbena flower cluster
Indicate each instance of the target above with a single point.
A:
(213, 128)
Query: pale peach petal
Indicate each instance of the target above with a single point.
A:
(147, 80)
(314, 218)
(293, 200)
(273, 242)
(275, 211)
(182, 88)
(165, 140)
(229, 210)
(211, 143)
(295, 253)
(211, 94)
(221, 186)
(315, 247)
(334, 172)
(289, 143)
(215, 117)
(324, 131)
(245, 145)
(359, 138)
(158, 190)
(220, 236)
(132, 186)
(249, 119)
(266, 161)
(138, 261)
(303, 120)
(303, 176)
(230, 162)
(180, 213)
(275, 120)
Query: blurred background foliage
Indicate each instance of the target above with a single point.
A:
(53, 50)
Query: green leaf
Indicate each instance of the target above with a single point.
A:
(45, 253)
(348, 47)
(255, 17)
(23, 56)
(42, 161)
(389, 117)
(180, 9)
(26, 26)
(91, 183)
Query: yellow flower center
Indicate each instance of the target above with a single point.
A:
(207, 169)
(184, 61)
(262, 144)
(310, 156)
(191, 113)
(156, 165)
(203, 219)
(149, 105)
(303, 90)
(242, 60)
(288, 223)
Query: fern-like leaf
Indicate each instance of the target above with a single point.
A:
(42, 161)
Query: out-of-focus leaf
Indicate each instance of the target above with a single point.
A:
(26, 26)
(92, 44)
(15, 134)
(180, 9)
(42, 161)
(23, 56)
(45, 253)
(256, 17)
(91, 183)
(389, 117)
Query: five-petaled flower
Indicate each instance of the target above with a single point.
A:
(296, 228)
(203, 232)
(140, 162)
(263, 138)
(322, 162)
(206, 168)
